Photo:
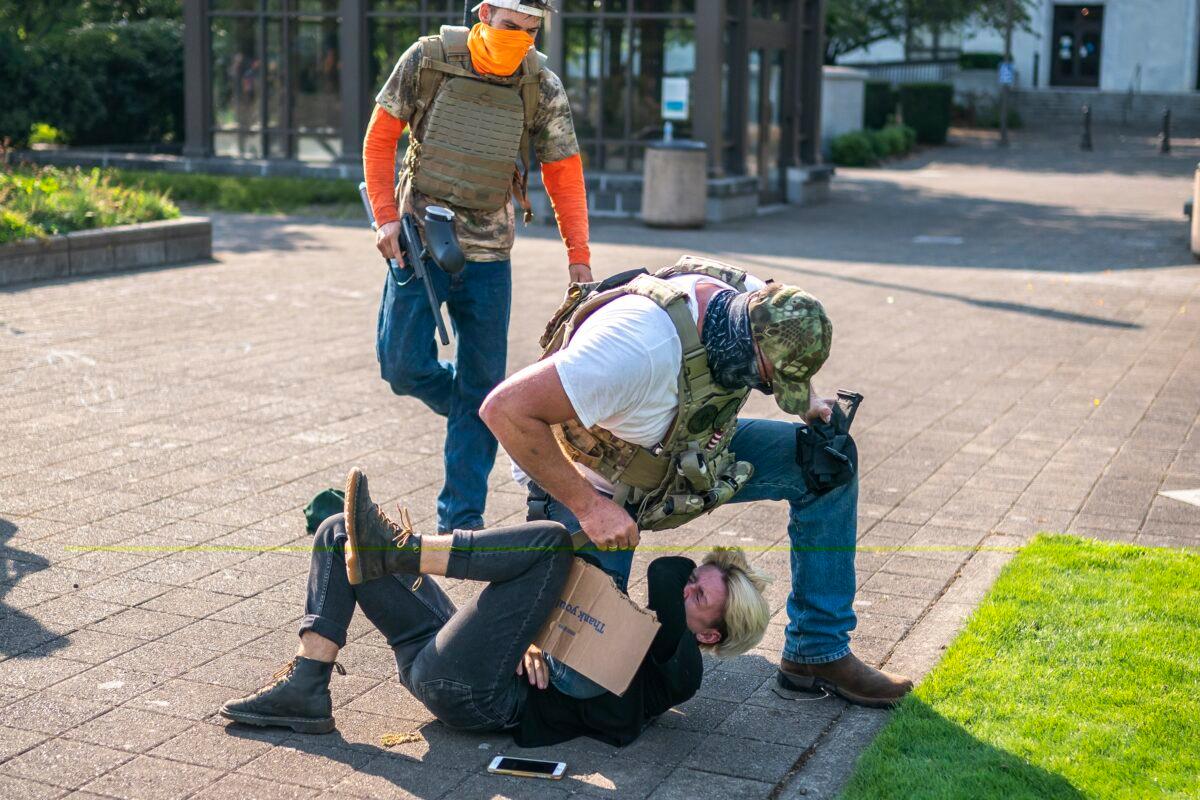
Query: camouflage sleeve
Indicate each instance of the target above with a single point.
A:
(553, 131)
(398, 96)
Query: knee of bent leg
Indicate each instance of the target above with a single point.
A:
(553, 540)
(331, 533)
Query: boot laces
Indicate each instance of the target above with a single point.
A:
(404, 532)
(285, 672)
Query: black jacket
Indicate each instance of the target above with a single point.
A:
(670, 674)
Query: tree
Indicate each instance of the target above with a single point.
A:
(854, 24)
(37, 19)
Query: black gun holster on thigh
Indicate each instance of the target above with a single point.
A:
(825, 451)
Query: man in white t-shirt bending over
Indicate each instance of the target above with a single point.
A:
(605, 409)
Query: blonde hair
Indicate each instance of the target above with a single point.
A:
(746, 610)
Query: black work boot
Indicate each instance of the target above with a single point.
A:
(298, 699)
(848, 678)
(375, 545)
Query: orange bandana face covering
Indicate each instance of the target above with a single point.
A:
(495, 51)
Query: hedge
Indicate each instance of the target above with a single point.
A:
(879, 103)
(16, 116)
(926, 109)
(118, 83)
(867, 148)
(980, 60)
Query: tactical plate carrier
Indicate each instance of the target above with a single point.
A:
(691, 471)
(476, 126)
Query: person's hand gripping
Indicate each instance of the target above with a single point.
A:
(608, 525)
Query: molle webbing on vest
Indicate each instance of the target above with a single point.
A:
(691, 471)
(468, 150)
(476, 127)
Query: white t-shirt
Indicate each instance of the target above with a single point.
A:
(621, 369)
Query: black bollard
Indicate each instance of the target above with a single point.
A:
(1164, 144)
(1086, 142)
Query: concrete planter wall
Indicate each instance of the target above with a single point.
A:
(148, 244)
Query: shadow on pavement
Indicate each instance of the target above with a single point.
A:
(993, 305)
(1116, 150)
(19, 632)
(922, 754)
(871, 219)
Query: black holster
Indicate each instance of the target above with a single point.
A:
(825, 451)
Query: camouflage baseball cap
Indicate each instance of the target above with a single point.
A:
(792, 331)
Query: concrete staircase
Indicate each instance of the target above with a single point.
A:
(1041, 108)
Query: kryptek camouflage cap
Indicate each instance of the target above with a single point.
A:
(794, 334)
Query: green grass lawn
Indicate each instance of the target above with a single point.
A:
(316, 196)
(42, 201)
(1078, 676)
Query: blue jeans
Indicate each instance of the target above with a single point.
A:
(822, 529)
(478, 301)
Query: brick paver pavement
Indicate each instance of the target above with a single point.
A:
(1025, 335)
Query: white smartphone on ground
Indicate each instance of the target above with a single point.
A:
(527, 767)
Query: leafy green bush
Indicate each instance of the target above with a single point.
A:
(926, 109)
(980, 60)
(121, 84)
(238, 193)
(15, 77)
(879, 103)
(48, 201)
(41, 133)
(891, 141)
(852, 150)
(99, 84)
(867, 148)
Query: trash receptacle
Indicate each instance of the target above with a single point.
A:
(675, 184)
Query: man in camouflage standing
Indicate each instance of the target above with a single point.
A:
(475, 102)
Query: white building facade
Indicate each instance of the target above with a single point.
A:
(1126, 46)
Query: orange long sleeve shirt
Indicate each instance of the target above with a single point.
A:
(563, 181)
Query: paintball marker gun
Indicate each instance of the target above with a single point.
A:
(440, 246)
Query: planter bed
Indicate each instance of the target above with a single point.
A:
(123, 247)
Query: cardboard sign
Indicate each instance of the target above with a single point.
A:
(596, 630)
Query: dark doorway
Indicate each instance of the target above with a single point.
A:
(1075, 45)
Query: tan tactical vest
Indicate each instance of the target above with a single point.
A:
(476, 126)
(691, 471)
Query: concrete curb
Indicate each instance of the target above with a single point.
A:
(146, 244)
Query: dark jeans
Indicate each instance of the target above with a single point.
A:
(822, 531)
(477, 300)
(459, 662)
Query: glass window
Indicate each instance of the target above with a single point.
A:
(315, 72)
(236, 73)
(317, 6)
(396, 6)
(770, 9)
(387, 39)
(233, 5)
(662, 48)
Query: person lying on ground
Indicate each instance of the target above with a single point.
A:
(472, 667)
(630, 423)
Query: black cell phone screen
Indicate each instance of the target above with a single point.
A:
(527, 765)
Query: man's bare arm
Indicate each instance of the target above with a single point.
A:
(519, 413)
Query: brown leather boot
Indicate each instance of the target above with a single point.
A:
(848, 678)
(375, 544)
